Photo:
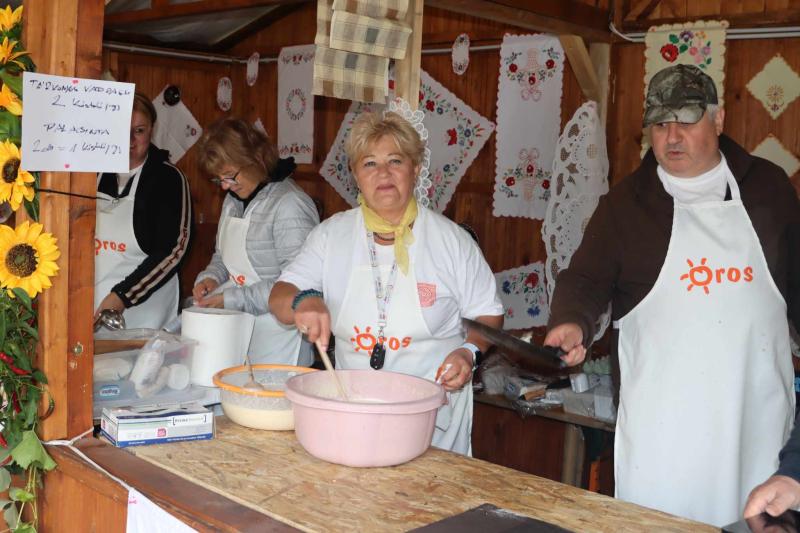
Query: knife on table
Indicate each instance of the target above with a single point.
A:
(529, 356)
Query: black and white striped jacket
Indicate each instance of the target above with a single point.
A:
(162, 222)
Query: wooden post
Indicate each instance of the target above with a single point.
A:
(64, 38)
(407, 71)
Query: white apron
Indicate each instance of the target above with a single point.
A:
(272, 342)
(706, 400)
(410, 347)
(117, 254)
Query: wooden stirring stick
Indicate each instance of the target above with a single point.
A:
(329, 367)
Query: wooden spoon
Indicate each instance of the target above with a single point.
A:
(329, 367)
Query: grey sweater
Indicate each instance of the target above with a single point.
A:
(282, 216)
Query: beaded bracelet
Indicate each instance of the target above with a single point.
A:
(302, 295)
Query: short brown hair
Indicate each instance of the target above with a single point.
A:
(236, 142)
(369, 128)
(143, 105)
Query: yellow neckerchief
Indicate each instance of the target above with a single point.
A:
(403, 237)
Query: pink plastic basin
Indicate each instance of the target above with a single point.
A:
(389, 419)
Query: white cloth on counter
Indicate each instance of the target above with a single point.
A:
(709, 186)
(144, 516)
(453, 279)
(175, 129)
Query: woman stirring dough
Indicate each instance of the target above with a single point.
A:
(392, 279)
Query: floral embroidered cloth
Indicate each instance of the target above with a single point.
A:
(772, 149)
(776, 86)
(456, 133)
(699, 43)
(296, 103)
(528, 122)
(460, 54)
(176, 129)
(524, 296)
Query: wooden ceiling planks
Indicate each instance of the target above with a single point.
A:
(637, 15)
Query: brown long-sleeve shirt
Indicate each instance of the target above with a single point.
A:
(625, 242)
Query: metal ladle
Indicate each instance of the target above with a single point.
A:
(109, 319)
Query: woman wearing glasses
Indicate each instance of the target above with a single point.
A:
(142, 230)
(391, 279)
(265, 220)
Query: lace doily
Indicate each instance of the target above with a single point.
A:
(580, 177)
(415, 118)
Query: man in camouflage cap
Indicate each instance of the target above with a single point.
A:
(700, 346)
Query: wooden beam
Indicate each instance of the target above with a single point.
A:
(769, 19)
(200, 7)
(407, 71)
(65, 310)
(600, 54)
(581, 63)
(642, 10)
(548, 16)
(254, 27)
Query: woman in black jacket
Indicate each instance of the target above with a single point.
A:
(142, 230)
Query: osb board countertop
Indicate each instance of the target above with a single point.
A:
(270, 472)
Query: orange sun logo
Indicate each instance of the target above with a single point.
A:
(699, 276)
(363, 341)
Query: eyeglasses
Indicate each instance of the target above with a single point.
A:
(229, 181)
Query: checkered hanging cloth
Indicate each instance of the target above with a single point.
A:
(365, 35)
(324, 14)
(379, 9)
(350, 76)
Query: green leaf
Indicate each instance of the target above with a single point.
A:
(39, 376)
(5, 480)
(673, 38)
(682, 48)
(23, 298)
(2, 329)
(24, 527)
(20, 495)
(10, 127)
(11, 516)
(14, 82)
(30, 450)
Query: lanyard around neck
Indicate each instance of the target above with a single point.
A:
(383, 294)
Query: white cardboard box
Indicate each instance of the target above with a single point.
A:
(135, 426)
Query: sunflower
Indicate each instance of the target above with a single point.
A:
(9, 19)
(27, 258)
(10, 101)
(7, 53)
(14, 182)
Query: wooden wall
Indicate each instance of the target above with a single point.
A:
(506, 242)
(746, 120)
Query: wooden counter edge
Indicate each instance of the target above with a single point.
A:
(559, 414)
(198, 507)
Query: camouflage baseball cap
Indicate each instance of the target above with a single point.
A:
(678, 94)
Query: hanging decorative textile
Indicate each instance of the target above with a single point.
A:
(324, 14)
(296, 103)
(350, 76)
(580, 177)
(366, 35)
(528, 121)
(224, 93)
(772, 149)
(176, 129)
(776, 86)
(700, 43)
(335, 170)
(252, 68)
(524, 296)
(456, 135)
(381, 9)
(460, 54)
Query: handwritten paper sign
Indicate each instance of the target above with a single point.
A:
(75, 125)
